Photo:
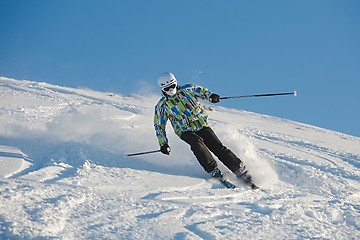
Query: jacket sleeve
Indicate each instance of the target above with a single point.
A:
(160, 120)
(200, 92)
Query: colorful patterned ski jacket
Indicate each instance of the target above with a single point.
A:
(184, 111)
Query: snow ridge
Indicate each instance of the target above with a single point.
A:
(64, 173)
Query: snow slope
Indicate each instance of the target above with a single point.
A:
(64, 173)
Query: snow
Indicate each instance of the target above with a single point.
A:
(12, 161)
(64, 173)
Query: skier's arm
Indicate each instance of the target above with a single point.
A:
(201, 92)
(160, 120)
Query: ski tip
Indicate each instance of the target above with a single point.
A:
(229, 185)
(254, 187)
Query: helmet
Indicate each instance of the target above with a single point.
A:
(166, 79)
(168, 83)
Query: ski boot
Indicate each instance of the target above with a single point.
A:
(217, 174)
(244, 175)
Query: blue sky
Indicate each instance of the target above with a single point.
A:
(232, 47)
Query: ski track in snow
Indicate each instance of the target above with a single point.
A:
(64, 173)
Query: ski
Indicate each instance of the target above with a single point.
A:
(226, 183)
(230, 185)
(254, 187)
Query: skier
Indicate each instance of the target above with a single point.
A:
(180, 105)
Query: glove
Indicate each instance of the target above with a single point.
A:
(214, 98)
(165, 149)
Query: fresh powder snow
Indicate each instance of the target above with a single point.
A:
(64, 173)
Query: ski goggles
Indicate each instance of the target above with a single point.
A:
(172, 86)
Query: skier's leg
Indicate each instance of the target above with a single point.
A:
(224, 154)
(200, 150)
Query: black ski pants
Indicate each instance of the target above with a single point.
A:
(204, 141)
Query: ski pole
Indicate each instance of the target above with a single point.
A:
(295, 93)
(142, 153)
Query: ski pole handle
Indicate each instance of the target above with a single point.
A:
(295, 93)
(142, 153)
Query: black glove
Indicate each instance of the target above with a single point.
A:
(214, 98)
(165, 149)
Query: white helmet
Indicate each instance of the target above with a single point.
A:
(168, 83)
